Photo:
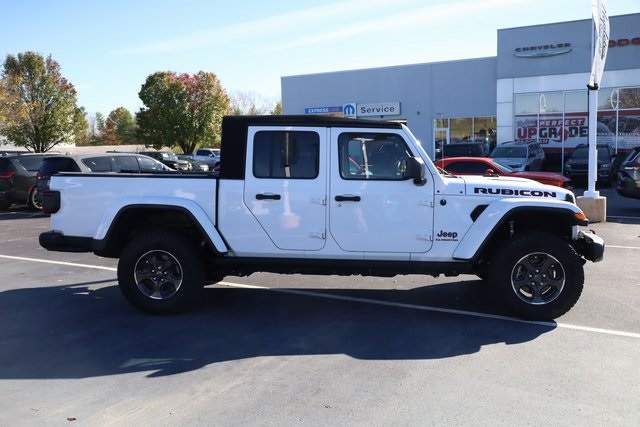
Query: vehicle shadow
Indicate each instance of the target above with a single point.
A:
(20, 212)
(88, 330)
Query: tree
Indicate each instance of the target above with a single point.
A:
(40, 109)
(182, 110)
(277, 110)
(119, 128)
(249, 104)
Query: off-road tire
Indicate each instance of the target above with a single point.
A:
(537, 276)
(160, 272)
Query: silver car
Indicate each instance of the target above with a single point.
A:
(519, 156)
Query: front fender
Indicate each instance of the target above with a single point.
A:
(194, 210)
(498, 212)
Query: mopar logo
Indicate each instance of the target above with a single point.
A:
(349, 110)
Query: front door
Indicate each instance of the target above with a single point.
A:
(372, 207)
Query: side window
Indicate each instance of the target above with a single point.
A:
(125, 163)
(284, 154)
(378, 156)
(98, 164)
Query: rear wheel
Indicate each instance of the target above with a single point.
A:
(537, 276)
(160, 272)
(34, 201)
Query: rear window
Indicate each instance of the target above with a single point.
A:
(98, 164)
(30, 163)
(53, 165)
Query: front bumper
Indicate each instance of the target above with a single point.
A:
(589, 245)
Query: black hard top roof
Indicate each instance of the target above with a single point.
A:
(308, 120)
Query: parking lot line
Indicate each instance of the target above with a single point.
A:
(623, 247)
(371, 301)
(46, 261)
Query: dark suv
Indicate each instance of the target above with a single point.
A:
(577, 166)
(464, 149)
(18, 180)
(629, 175)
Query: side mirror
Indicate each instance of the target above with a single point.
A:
(415, 169)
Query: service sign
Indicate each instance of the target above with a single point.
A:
(379, 109)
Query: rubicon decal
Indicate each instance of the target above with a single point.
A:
(514, 192)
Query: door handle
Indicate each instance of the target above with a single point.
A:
(348, 198)
(268, 197)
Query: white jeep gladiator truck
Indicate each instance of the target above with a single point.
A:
(324, 195)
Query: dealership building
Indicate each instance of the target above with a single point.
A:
(533, 90)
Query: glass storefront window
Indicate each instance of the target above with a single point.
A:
(629, 97)
(576, 101)
(461, 130)
(527, 103)
(440, 123)
(551, 102)
(608, 99)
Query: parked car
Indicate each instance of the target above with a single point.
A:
(18, 180)
(577, 165)
(211, 156)
(194, 165)
(169, 159)
(95, 162)
(488, 166)
(519, 156)
(628, 182)
(463, 149)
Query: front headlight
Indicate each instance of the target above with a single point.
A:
(604, 166)
(567, 166)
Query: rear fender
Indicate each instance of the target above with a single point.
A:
(189, 207)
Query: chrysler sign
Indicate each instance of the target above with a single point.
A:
(543, 50)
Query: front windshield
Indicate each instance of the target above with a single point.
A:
(169, 156)
(501, 167)
(583, 153)
(509, 152)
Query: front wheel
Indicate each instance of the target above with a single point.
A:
(537, 276)
(160, 272)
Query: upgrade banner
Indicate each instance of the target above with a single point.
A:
(556, 131)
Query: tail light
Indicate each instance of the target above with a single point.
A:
(50, 201)
(7, 175)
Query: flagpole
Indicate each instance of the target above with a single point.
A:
(600, 44)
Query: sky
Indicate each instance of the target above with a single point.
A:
(108, 49)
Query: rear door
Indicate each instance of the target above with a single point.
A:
(285, 185)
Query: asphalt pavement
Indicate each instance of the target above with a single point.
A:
(276, 350)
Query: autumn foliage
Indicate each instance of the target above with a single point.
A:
(182, 110)
(39, 108)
